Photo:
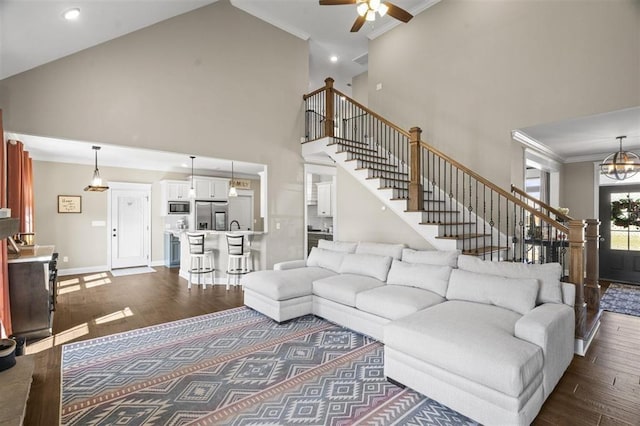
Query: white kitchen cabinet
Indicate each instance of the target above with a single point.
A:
(211, 188)
(177, 191)
(325, 201)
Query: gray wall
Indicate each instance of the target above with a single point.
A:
(469, 72)
(214, 82)
(578, 190)
(360, 88)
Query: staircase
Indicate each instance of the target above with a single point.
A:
(445, 202)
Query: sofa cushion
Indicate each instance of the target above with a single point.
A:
(380, 249)
(343, 288)
(431, 257)
(343, 246)
(429, 277)
(548, 274)
(285, 284)
(325, 259)
(471, 340)
(371, 265)
(393, 302)
(517, 294)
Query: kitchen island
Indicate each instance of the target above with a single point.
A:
(217, 242)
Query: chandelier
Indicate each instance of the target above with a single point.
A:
(620, 165)
(368, 9)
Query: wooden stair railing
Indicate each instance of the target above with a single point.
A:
(489, 221)
(540, 205)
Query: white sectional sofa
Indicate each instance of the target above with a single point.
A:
(488, 339)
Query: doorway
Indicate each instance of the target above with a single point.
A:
(320, 218)
(619, 208)
(130, 225)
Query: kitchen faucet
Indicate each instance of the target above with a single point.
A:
(232, 222)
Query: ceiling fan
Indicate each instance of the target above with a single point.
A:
(367, 10)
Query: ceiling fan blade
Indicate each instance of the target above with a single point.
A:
(358, 24)
(398, 12)
(336, 2)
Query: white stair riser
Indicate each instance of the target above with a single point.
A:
(437, 217)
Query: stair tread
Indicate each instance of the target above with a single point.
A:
(448, 223)
(337, 138)
(483, 250)
(383, 170)
(364, 148)
(441, 211)
(463, 236)
(389, 178)
(362, 155)
(377, 163)
(429, 201)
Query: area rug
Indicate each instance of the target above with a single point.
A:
(131, 271)
(238, 367)
(622, 298)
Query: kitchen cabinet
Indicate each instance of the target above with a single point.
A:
(171, 250)
(325, 199)
(32, 291)
(314, 237)
(211, 189)
(177, 191)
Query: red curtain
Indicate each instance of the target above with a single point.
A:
(20, 185)
(5, 308)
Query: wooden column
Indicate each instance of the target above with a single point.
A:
(576, 273)
(592, 259)
(416, 192)
(330, 108)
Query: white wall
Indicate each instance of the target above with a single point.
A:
(468, 72)
(214, 82)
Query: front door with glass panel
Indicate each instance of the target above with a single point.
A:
(620, 230)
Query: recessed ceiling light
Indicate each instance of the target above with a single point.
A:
(334, 58)
(71, 14)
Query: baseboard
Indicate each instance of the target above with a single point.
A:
(80, 271)
(581, 346)
(157, 263)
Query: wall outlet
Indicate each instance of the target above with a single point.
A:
(379, 86)
(277, 225)
(65, 259)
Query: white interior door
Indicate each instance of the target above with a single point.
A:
(129, 228)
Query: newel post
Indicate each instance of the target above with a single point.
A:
(330, 108)
(592, 246)
(416, 193)
(576, 273)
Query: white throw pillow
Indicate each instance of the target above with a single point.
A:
(369, 265)
(381, 249)
(547, 274)
(516, 294)
(431, 257)
(325, 259)
(429, 277)
(343, 246)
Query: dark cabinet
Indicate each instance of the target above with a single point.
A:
(32, 292)
(314, 237)
(171, 250)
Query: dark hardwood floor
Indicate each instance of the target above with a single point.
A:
(602, 388)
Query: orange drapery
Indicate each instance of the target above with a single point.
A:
(20, 185)
(5, 308)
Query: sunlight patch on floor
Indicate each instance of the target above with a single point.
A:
(126, 312)
(59, 339)
(97, 283)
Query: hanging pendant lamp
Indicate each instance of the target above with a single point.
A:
(233, 192)
(192, 190)
(97, 184)
(620, 165)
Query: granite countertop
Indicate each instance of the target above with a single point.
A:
(177, 232)
(32, 254)
(319, 232)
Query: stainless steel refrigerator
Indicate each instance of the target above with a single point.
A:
(211, 215)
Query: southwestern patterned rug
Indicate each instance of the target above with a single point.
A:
(238, 367)
(622, 298)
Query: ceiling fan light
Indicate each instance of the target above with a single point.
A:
(383, 9)
(371, 15)
(362, 9)
(374, 5)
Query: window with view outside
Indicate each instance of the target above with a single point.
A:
(625, 221)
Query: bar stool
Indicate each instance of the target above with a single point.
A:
(238, 258)
(200, 259)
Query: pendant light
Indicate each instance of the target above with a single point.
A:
(620, 165)
(192, 190)
(96, 185)
(233, 192)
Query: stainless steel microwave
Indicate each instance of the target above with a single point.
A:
(179, 207)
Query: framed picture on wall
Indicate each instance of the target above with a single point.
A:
(69, 204)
